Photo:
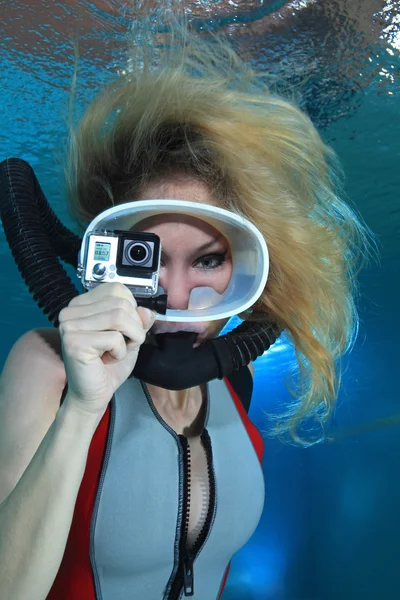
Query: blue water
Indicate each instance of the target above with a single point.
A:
(330, 527)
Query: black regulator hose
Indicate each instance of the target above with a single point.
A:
(38, 239)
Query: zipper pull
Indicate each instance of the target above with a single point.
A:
(188, 576)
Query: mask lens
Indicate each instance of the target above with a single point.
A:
(200, 297)
(203, 297)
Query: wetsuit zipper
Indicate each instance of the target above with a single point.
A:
(185, 575)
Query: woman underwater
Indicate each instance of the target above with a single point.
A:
(114, 488)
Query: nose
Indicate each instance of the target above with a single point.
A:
(178, 288)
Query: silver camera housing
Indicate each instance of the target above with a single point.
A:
(107, 257)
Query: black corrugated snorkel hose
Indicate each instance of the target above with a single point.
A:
(38, 241)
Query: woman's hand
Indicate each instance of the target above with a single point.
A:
(101, 333)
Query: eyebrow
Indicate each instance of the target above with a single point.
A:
(200, 248)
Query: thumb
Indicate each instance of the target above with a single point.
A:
(148, 316)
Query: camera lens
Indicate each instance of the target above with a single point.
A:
(137, 253)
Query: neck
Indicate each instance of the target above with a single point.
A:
(178, 400)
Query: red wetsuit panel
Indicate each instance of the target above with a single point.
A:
(258, 444)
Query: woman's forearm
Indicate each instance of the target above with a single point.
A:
(36, 517)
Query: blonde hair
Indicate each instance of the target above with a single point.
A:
(193, 107)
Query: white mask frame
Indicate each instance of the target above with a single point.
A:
(250, 256)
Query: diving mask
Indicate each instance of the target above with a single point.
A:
(111, 251)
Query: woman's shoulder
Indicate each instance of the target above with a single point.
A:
(47, 339)
(39, 349)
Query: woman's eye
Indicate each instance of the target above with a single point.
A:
(211, 261)
(207, 262)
